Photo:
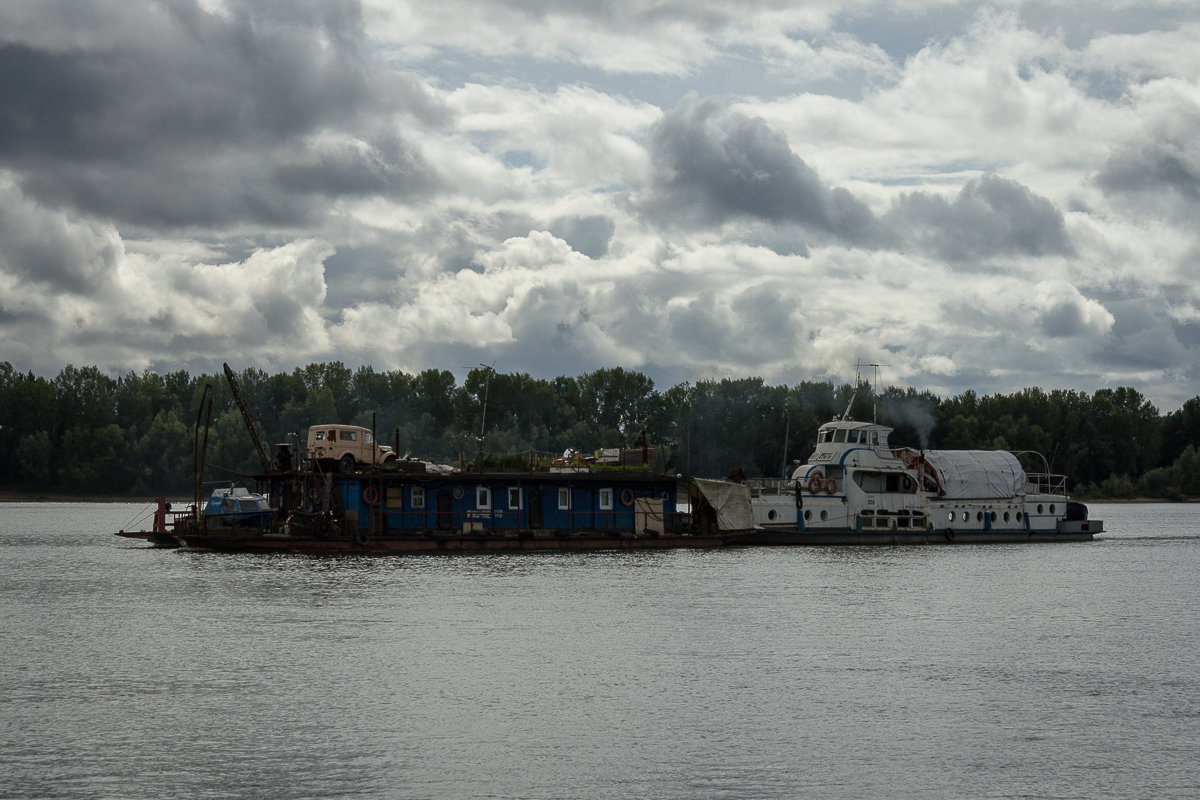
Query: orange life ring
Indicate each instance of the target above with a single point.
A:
(830, 486)
(370, 495)
(627, 497)
(814, 484)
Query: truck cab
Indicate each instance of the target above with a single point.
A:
(345, 446)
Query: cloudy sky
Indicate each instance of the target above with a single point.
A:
(980, 196)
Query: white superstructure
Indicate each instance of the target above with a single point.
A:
(854, 482)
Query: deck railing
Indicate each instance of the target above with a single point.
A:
(1045, 483)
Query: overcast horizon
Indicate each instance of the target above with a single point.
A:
(984, 196)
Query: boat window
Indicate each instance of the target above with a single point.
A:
(874, 438)
(606, 499)
(1018, 516)
(1041, 509)
(514, 497)
(839, 436)
(965, 516)
(993, 516)
(483, 497)
(824, 435)
(870, 481)
(1052, 508)
(248, 505)
(229, 505)
(418, 497)
(808, 515)
(852, 437)
(979, 516)
(950, 517)
(564, 499)
(1006, 516)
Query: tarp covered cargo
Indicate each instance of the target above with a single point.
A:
(977, 474)
(730, 500)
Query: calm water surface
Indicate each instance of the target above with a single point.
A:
(1060, 671)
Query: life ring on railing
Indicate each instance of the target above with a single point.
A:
(816, 482)
(830, 486)
(627, 497)
(371, 495)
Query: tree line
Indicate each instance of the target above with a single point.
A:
(84, 432)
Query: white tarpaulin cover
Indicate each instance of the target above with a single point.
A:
(731, 502)
(978, 474)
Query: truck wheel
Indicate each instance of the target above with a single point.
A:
(347, 463)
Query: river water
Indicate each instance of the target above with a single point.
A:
(1006, 671)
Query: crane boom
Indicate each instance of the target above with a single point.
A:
(251, 423)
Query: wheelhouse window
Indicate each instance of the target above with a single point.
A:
(483, 498)
(564, 499)
(418, 497)
(606, 499)
(852, 437)
(514, 497)
(839, 436)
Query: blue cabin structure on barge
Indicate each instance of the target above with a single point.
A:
(394, 510)
(472, 503)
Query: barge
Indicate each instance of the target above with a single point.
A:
(377, 510)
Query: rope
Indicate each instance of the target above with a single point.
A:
(141, 515)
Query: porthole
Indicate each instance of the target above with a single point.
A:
(979, 516)
(807, 515)
(458, 492)
(1041, 509)
(1018, 516)
(950, 516)
(771, 514)
(1006, 516)
(993, 516)
(966, 516)
(1052, 508)
(824, 515)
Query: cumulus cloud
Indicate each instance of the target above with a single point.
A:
(978, 198)
(989, 216)
(194, 118)
(1063, 312)
(713, 165)
(1158, 165)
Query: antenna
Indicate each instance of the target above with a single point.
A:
(483, 417)
(874, 391)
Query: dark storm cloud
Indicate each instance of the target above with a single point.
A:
(990, 216)
(713, 165)
(1154, 167)
(238, 109)
(42, 98)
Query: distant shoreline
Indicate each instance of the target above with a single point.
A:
(32, 496)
